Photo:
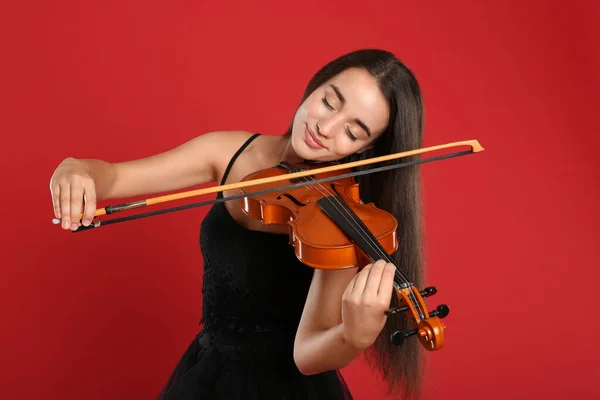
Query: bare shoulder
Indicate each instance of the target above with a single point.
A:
(226, 144)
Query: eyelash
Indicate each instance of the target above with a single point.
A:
(330, 107)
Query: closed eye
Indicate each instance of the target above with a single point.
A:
(327, 104)
(350, 135)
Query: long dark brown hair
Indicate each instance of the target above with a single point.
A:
(396, 191)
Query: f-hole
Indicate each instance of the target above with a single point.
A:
(292, 198)
(333, 186)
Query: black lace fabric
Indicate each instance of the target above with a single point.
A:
(254, 290)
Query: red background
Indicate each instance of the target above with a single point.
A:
(512, 233)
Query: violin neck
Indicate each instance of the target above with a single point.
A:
(346, 219)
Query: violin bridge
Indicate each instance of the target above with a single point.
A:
(290, 169)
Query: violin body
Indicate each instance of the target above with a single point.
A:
(317, 240)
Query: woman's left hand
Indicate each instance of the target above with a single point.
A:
(364, 302)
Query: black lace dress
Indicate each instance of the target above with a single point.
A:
(254, 290)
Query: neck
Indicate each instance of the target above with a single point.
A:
(286, 151)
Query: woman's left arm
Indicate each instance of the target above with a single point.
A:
(324, 343)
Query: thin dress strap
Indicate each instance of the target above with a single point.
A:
(235, 156)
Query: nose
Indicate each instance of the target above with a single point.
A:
(327, 127)
(320, 131)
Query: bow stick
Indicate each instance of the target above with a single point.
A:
(473, 144)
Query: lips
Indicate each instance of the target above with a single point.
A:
(311, 139)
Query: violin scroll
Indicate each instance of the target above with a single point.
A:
(426, 325)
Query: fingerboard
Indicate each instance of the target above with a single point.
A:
(346, 219)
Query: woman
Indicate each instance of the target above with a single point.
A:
(272, 325)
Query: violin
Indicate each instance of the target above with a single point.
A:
(329, 227)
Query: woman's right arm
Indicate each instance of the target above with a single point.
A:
(187, 165)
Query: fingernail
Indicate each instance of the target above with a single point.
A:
(74, 226)
(65, 224)
(86, 222)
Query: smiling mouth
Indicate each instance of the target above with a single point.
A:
(311, 139)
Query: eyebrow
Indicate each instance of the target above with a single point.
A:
(343, 100)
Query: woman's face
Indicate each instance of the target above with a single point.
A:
(343, 116)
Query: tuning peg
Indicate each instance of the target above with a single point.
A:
(398, 337)
(441, 311)
(428, 291)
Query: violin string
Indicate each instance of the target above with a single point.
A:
(370, 237)
(378, 250)
(352, 222)
(376, 245)
(365, 236)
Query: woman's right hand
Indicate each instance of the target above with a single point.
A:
(73, 192)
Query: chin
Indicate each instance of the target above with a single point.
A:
(303, 150)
